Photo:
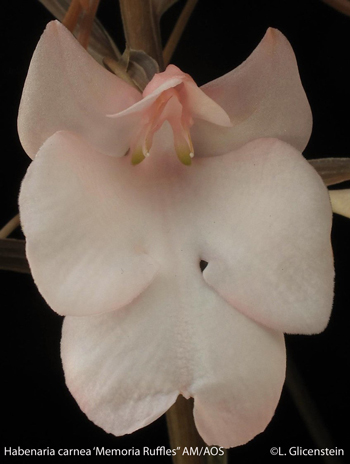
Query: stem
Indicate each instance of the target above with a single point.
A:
(9, 227)
(183, 433)
(87, 23)
(178, 30)
(71, 18)
(141, 28)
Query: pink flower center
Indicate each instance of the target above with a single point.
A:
(169, 106)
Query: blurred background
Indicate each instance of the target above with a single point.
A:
(37, 409)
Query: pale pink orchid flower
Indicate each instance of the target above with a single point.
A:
(116, 247)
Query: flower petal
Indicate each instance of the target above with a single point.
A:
(147, 101)
(195, 101)
(237, 400)
(86, 254)
(126, 368)
(267, 238)
(263, 97)
(202, 107)
(264, 228)
(67, 90)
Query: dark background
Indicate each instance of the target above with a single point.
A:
(37, 409)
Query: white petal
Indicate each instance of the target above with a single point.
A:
(237, 399)
(67, 90)
(147, 101)
(126, 368)
(267, 237)
(86, 254)
(263, 97)
(260, 216)
(202, 107)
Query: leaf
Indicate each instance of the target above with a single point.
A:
(161, 6)
(139, 66)
(343, 6)
(332, 170)
(340, 200)
(12, 256)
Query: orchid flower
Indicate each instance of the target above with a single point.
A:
(115, 242)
